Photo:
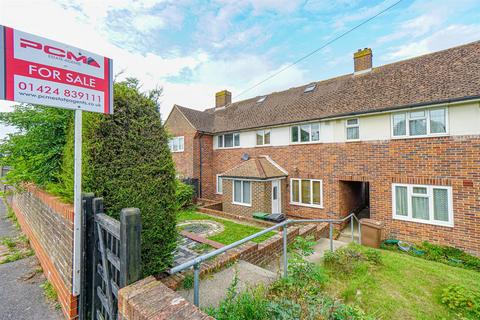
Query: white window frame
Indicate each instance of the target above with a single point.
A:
(262, 133)
(222, 137)
(300, 203)
(309, 133)
(219, 186)
(429, 195)
(171, 144)
(241, 194)
(347, 126)
(406, 113)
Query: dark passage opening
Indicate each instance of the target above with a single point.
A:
(355, 197)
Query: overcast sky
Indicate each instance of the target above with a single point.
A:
(195, 48)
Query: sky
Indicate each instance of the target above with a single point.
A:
(193, 49)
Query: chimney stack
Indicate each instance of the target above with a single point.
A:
(362, 60)
(223, 98)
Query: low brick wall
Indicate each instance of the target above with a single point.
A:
(149, 299)
(209, 209)
(48, 224)
(257, 253)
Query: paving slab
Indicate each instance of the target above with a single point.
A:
(213, 289)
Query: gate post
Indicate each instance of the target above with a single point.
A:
(88, 224)
(130, 251)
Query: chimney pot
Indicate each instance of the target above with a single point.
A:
(362, 60)
(223, 98)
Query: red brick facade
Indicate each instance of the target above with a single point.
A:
(445, 161)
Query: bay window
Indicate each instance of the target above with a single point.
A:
(306, 192)
(423, 203)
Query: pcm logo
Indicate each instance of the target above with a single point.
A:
(58, 52)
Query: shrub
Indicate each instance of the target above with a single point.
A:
(461, 300)
(184, 195)
(346, 260)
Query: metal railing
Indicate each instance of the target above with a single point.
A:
(196, 263)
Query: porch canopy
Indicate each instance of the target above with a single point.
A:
(257, 168)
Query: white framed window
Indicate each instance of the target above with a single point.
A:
(423, 204)
(305, 133)
(176, 144)
(229, 140)
(242, 192)
(263, 138)
(306, 192)
(352, 127)
(420, 123)
(219, 184)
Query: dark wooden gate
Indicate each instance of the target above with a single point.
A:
(111, 258)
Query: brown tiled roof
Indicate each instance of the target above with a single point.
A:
(201, 120)
(260, 167)
(440, 77)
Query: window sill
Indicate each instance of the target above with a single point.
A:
(438, 135)
(429, 222)
(177, 151)
(302, 143)
(227, 148)
(316, 206)
(242, 204)
(219, 193)
(263, 145)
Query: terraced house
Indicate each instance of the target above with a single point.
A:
(399, 143)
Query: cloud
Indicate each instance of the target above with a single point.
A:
(359, 14)
(450, 36)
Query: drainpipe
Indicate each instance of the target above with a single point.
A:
(200, 169)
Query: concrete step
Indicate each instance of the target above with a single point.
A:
(213, 289)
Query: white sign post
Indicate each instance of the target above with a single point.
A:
(42, 71)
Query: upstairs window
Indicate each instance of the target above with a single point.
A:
(419, 123)
(263, 137)
(305, 133)
(422, 203)
(229, 140)
(353, 129)
(176, 144)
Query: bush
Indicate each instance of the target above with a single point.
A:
(461, 300)
(130, 165)
(346, 260)
(184, 195)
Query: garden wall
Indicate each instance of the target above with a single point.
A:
(48, 224)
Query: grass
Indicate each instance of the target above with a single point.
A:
(233, 231)
(18, 248)
(402, 287)
(50, 294)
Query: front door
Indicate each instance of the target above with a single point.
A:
(276, 197)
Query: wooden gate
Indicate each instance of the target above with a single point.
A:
(111, 258)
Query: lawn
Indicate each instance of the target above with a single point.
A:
(402, 287)
(233, 231)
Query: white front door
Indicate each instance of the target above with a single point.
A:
(276, 197)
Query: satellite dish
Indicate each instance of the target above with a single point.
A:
(245, 156)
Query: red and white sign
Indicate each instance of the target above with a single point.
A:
(42, 71)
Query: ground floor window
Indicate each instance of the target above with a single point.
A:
(219, 184)
(242, 192)
(306, 192)
(423, 203)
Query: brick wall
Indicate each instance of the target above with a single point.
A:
(177, 125)
(450, 161)
(48, 224)
(149, 299)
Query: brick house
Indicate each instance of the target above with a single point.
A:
(401, 142)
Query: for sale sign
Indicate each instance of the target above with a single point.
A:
(42, 71)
